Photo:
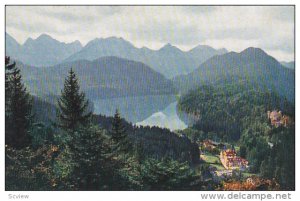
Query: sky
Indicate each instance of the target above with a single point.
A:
(232, 27)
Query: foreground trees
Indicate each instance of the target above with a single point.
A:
(87, 150)
(168, 175)
(17, 107)
(280, 162)
(28, 169)
(77, 154)
(82, 140)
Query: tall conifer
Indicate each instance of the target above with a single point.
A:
(119, 134)
(72, 105)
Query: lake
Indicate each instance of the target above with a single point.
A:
(159, 110)
(166, 118)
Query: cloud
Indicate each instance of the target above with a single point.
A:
(268, 27)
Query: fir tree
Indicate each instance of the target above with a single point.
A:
(119, 135)
(121, 150)
(72, 105)
(18, 107)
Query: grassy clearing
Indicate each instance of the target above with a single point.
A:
(212, 160)
(247, 174)
(209, 158)
(218, 166)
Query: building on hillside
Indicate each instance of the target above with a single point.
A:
(286, 121)
(278, 119)
(231, 161)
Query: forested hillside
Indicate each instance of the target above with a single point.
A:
(106, 77)
(228, 109)
(238, 114)
(252, 65)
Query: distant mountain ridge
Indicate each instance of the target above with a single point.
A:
(42, 51)
(290, 65)
(168, 60)
(106, 77)
(252, 65)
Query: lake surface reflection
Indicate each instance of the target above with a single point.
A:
(144, 110)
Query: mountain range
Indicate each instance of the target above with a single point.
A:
(106, 77)
(169, 60)
(252, 65)
(113, 67)
(42, 51)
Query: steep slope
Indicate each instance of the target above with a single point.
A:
(12, 47)
(106, 77)
(252, 65)
(42, 51)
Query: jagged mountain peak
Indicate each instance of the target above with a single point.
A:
(41, 51)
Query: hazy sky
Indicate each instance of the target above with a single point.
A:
(235, 28)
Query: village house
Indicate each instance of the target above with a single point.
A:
(231, 161)
(278, 119)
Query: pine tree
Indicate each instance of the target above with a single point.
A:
(72, 105)
(121, 150)
(18, 107)
(119, 135)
